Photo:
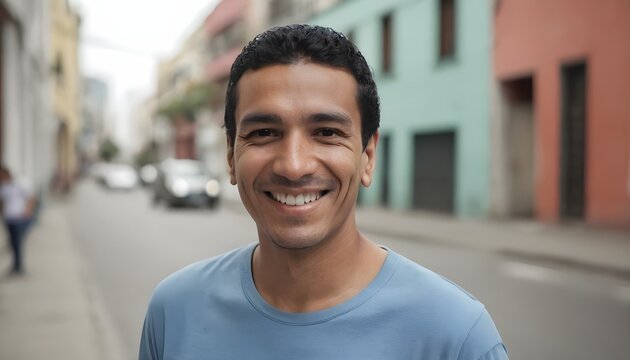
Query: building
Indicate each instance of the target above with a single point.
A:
(94, 104)
(182, 88)
(26, 127)
(562, 120)
(431, 62)
(145, 132)
(66, 89)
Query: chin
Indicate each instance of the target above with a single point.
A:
(296, 241)
(295, 245)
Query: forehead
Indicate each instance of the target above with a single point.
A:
(302, 87)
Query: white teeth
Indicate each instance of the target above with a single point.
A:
(281, 198)
(298, 200)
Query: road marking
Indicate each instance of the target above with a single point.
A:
(528, 272)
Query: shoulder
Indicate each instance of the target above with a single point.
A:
(432, 289)
(448, 313)
(201, 277)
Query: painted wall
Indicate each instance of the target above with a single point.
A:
(63, 54)
(425, 95)
(539, 36)
(27, 128)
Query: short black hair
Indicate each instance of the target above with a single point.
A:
(292, 43)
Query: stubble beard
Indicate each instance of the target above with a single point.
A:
(299, 240)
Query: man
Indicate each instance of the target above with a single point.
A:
(301, 116)
(18, 204)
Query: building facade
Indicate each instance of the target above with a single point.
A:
(66, 89)
(182, 86)
(94, 104)
(26, 126)
(431, 62)
(562, 120)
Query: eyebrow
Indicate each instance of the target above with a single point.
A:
(259, 118)
(335, 117)
(273, 119)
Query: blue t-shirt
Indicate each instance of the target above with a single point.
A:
(212, 310)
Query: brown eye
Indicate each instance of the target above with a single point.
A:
(327, 132)
(263, 132)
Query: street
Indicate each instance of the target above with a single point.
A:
(543, 310)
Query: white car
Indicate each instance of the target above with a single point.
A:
(118, 177)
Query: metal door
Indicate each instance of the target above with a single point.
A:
(573, 130)
(434, 172)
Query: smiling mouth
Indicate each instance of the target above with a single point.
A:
(296, 200)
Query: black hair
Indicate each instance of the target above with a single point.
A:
(293, 43)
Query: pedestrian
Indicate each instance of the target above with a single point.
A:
(302, 116)
(18, 204)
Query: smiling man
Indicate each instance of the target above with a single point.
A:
(301, 117)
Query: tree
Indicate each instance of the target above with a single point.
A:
(108, 150)
(195, 98)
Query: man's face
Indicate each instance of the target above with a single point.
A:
(297, 157)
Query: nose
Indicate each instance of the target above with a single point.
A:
(295, 158)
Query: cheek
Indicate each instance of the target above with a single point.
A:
(345, 165)
(248, 164)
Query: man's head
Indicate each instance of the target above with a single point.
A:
(302, 118)
(293, 43)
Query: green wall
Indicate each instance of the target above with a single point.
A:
(423, 94)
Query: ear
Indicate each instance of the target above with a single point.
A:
(369, 160)
(230, 160)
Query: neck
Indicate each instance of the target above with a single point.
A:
(317, 278)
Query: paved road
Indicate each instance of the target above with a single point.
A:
(544, 311)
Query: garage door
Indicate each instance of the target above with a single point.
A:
(434, 172)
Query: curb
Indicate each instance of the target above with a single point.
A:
(530, 253)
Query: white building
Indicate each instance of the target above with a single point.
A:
(26, 126)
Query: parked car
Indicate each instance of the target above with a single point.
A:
(117, 176)
(185, 183)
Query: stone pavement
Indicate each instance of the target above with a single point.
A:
(580, 245)
(54, 311)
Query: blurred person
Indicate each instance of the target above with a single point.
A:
(18, 205)
(302, 114)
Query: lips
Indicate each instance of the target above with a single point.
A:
(296, 200)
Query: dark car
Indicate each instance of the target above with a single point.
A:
(185, 183)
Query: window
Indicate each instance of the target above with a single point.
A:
(58, 70)
(386, 39)
(447, 29)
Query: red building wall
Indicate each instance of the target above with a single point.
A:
(538, 37)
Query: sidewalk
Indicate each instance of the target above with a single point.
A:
(578, 245)
(52, 312)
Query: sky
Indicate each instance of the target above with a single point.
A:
(122, 42)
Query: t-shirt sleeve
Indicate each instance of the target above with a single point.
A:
(496, 353)
(483, 341)
(152, 340)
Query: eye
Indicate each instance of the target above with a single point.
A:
(262, 133)
(327, 132)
